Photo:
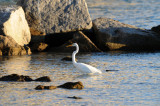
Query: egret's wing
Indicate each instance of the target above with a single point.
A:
(86, 68)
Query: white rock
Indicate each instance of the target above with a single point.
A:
(14, 24)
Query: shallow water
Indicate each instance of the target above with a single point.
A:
(137, 81)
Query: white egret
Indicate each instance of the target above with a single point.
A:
(82, 66)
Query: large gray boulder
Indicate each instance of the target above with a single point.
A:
(56, 16)
(14, 24)
(114, 35)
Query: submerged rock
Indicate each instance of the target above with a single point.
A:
(75, 97)
(16, 77)
(43, 79)
(72, 85)
(114, 35)
(22, 78)
(41, 87)
(111, 70)
(14, 24)
(56, 16)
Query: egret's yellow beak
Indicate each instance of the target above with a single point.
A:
(69, 45)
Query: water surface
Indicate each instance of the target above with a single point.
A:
(136, 83)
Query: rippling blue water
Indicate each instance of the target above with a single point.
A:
(137, 81)
(141, 13)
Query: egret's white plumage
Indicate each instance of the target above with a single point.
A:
(81, 66)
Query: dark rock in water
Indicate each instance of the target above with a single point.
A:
(156, 29)
(111, 70)
(15, 77)
(43, 79)
(75, 97)
(68, 58)
(22, 78)
(41, 87)
(114, 35)
(72, 85)
(68, 85)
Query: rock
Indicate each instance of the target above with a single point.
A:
(0, 53)
(75, 97)
(14, 24)
(113, 35)
(8, 42)
(16, 77)
(37, 43)
(9, 47)
(111, 70)
(57, 16)
(58, 39)
(38, 47)
(156, 29)
(41, 87)
(85, 44)
(43, 79)
(72, 85)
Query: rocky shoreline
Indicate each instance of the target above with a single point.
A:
(51, 25)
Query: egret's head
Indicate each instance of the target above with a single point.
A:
(74, 44)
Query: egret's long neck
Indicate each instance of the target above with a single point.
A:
(74, 54)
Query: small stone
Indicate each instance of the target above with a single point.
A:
(50, 87)
(111, 70)
(43, 79)
(72, 85)
(41, 87)
(75, 97)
